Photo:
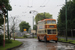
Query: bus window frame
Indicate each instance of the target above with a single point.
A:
(52, 34)
(41, 33)
(51, 21)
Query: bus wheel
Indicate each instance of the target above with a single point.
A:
(56, 41)
(45, 39)
(39, 39)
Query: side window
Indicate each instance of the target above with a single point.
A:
(41, 32)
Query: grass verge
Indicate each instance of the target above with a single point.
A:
(19, 37)
(68, 41)
(10, 45)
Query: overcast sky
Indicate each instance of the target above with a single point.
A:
(21, 8)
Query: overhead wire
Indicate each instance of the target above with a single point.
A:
(47, 2)
(43, 4)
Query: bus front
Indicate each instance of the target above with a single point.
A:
(51, 30)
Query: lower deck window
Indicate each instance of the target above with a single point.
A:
(41, 32)
(51, 31)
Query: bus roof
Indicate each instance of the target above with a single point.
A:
(46, 20)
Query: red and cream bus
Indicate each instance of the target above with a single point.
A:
(47, 30)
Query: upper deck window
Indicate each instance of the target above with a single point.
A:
(49, 22)
(41, 23)
(53, 22)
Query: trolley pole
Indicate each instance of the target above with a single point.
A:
(66, 17)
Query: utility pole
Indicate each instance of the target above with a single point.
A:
(33, 26)
(33, 21)
(8, 25)
(66, 17)
(13, 28)
(44, 15)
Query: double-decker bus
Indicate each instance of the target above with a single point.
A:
(47, 30)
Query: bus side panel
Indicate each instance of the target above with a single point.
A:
(41, 36)
(52, 37)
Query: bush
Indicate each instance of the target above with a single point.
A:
(1, 40)
(25, 36)
(8, 41)
(6, 36)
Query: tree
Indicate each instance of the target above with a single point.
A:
(70, 16)
(1, 20)
(41, 16)
(23, 25)
(61, 25)
(35, 27)
(7, 6)
(14, 22)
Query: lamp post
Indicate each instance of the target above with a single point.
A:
(33, 11)
(66, 17)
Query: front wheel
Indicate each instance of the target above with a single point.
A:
(45, 39)
(56, 41)
(39, 39)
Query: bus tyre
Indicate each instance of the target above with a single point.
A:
(56, 41)
(45, 39)
(39, 39)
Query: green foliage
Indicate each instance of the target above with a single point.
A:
(1, 40)
(8, 41)
(19, 37)
(1, 20)
(7, 6)
(70, 17)
(25, 36)
(11, 45)
(23, 25)
(68, 41)
(41, 16)
(35, 27)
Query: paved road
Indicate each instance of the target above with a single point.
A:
(33, 44)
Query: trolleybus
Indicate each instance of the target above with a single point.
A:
(47, 30)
